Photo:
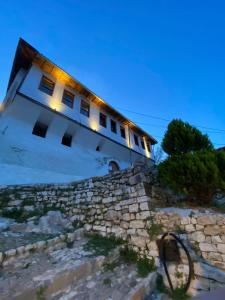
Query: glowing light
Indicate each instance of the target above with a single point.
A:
(146, 151)
(56, 105)
(94, 125)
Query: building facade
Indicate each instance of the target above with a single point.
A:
(54, 129)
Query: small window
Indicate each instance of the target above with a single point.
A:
(40, 129)
(85, 108)
(47, 85)
(122, 132)
(68, 98)
(136, 140)
(148, 147)
(102, 119)
(67, 140)
(113, 166)
(143, 144)
(113, 126)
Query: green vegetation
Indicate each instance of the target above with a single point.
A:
(193, 167)
(145, 266)
(40, 293)
(128, 255)
(100, 245)
(181, 138)
(155, 230)
(177, 294)
(107, 281)
(77, 224)
(111, 266)
(19, 214)
(178, 275)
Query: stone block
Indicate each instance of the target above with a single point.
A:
(137, 224)
(198, 236)
(189, 228)
(212, 230)
(144, 206)
(207, 247)
(185, 221)
(206, 220)
(138, 241)
(221, 248)
(133, 208)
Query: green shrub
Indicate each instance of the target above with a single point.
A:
(196, 175)
(145, 266)
(128, 255)
(181, 138)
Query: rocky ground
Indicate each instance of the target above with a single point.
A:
(73, 273)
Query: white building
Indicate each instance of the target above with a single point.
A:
(54, 129)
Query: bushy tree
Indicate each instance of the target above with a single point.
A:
(197, 175)
(192, 167)
(181, 138)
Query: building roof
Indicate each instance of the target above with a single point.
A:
(26, 55)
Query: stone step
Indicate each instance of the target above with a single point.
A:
(45, 274)
(123, 283)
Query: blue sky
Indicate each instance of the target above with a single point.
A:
(164, 59)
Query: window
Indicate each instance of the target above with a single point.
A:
(148, 147)
(113, 166)
(47, 85)
(143, 144)
(122, 132)
(113, 126)
(40, 129)
(67, 140)
(136, 140)
(102, 119)
(68, 98)
(84, 108)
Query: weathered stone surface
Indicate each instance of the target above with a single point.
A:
(207, 247)
(190, 228)
(221, 248)
(138, 241)
(206, 220)
(207, 271)
(52, 223)
(212, 230)
(144, 206)
(137, 224)
(198, 236)
(133, 208)
(5, 223)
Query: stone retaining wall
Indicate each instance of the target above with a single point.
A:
(124, 204)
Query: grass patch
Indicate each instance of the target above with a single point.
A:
(100, 245)
(111, 266)
(107, 281)
(19, 214)
(128, 255)
(177, 294)
(145, 266)
(155, 230)
(40, 293)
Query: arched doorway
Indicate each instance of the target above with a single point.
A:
(113, 166)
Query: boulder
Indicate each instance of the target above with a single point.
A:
(52, 223)
(5, 223)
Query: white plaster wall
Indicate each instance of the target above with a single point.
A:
(30, 88)
(26, 158)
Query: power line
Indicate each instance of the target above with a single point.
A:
(166, 120)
